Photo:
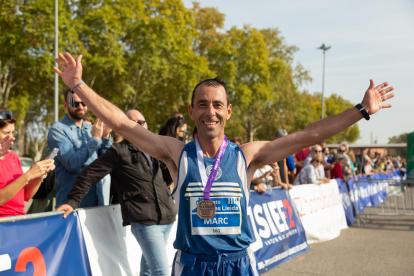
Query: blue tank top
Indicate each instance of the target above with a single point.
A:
(228, 231)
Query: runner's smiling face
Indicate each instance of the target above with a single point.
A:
(210, 111)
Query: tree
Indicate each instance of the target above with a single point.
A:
(141, 55)
(256, 65)
(149, 55)
(402, 138)
(26, 40)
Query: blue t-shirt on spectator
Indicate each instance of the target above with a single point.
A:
(290, 163)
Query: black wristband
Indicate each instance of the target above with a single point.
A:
(71, 101)
(363, 111)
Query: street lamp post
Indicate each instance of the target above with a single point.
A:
(56, 92)
(323, 48)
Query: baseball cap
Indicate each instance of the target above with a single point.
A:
(339, 156)
(281, 133)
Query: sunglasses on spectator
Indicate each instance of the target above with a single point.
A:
(141, 122)
(317, 151)
(76, 104)
(3, 114)
(341, 151)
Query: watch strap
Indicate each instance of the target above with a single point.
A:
(363, 111)
(71, 100)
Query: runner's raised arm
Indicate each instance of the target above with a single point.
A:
(167, 149)
(262, 153)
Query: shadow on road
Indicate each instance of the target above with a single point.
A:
(396, 223)
(382, 246)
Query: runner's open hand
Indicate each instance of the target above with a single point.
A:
(71, 70)
(375, 97)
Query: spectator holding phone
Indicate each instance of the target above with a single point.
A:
(79, 144)
(16, 186)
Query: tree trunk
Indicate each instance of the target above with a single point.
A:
(21, 138)
(92, 82)
(134, 100)
(38, 147)
(250, 128)
(8, 84)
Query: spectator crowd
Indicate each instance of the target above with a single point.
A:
(95, 168)
(86, 177)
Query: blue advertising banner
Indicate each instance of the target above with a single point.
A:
(346, 201)
(370, 191)
(360, 194)
(376, 191)
(43, 246)
(276, 227)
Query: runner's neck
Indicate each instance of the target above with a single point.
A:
(210, 147)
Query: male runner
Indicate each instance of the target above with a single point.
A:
(213, 236)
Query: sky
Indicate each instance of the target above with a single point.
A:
(369, 39)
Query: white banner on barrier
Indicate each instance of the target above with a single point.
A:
(320, 209)
(112, 248)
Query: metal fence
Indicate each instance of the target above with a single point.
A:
(30, 216)
(398, 199)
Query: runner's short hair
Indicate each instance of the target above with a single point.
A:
(216, 82)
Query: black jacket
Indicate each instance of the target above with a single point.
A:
(142, 192)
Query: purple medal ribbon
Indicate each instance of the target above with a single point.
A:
(215, 168)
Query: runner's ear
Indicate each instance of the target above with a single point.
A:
(190, 112)
(228, 112)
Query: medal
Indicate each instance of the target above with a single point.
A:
(206, 208)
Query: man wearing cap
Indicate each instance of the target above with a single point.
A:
(213, 174)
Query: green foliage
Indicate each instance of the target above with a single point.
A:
(402, 138)
(335, 104)
(149, 55)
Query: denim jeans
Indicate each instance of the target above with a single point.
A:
(104, 192)
(153, 240)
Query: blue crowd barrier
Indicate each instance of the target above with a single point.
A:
(55, 246)
(370, 191)
(346, 201)
(43, 246)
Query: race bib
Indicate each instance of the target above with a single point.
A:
(227, 220)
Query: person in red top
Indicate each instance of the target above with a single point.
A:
(16, 186)
(300, 157)
(336, 172)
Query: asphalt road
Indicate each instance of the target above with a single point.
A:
(383, 246)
